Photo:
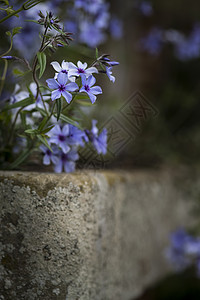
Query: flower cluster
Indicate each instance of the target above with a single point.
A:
(184, 250)
(90, 21)
(40, 115)
(64, 81)
(65, 140)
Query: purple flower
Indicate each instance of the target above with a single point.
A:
(81, 69)
(109, 74)
(105, 60)
(116, 28)
(48, 155)
(153, 42)
(146, 8)
(99, 141)
(91, 34)
(66, 161)
(61, 88)
(89, 88)
(76, 136)
(59, 136)
(176, 252)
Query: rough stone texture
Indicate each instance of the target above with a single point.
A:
(89, 235)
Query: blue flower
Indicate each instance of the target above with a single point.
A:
(76, 136)
(81, 69)
(48, 155)
(176, 252)
(61, 88)
(116, 28)
(91, 34)
(59, 136)
(106, 61)
(109, 74)
(146, 8)
(89, 88)
(66, 161)
(99, 141)
(153, 42)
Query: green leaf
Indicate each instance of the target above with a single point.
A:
(97, 53)
(17, 72)
(42, 62)
(22, 103)
(31, 131)
(42, 124)
(59, 108)
(44, 141)
(47, 129)
(16, 30)
(68, 120)
(23, 118)
(8, 33)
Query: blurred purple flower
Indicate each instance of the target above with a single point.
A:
(99, 141)
(48, 155)
(153, 42)
(116, 28)
(91, 34)
(66, 161)
(59, 136)
(146, 8)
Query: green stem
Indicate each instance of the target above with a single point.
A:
(4, 75)
(11, 44)
(23, 7)
(13, 126)
(12, 14)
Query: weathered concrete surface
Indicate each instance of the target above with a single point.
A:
(88, 235)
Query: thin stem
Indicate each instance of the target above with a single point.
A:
(13, 126)
(12, 14)
(23, 7)
(4, 75)
(11, 44)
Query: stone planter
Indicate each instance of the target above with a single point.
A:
(88, 235)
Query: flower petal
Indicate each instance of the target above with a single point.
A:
(67, 96)
(91, 70)
(58, 167)
(65, 65)
(91, 80)
(46, 159)
(52, 83)
(96, 90)
(83, 79)
(56, 66)
(81, 65)
(65, 129)
(55, 95)
(62, 78)
(69, 166)
(65, 148)
(92, 97)
(71, 87)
